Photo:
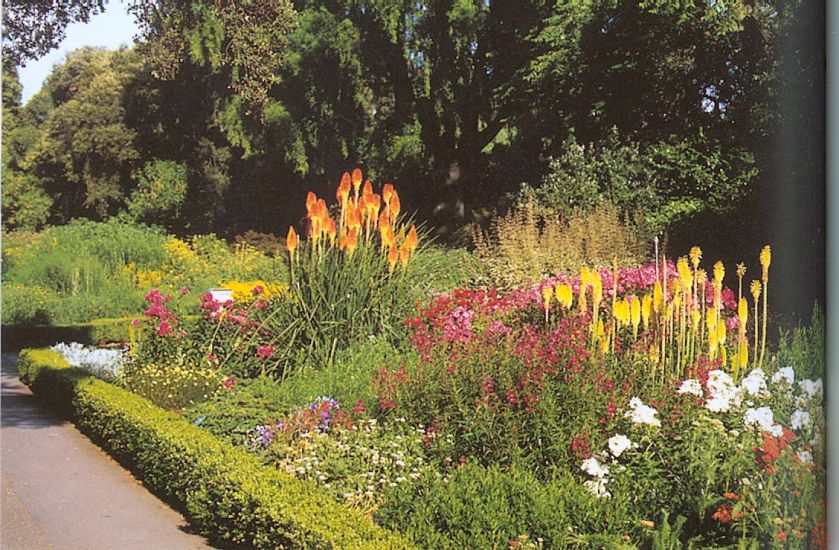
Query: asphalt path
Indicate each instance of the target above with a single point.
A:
(60, 491)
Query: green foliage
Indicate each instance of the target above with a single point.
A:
(87, 153)
(231, 414)
(227, 494)
(76, 272)
(254, 401)
(479, 507)
(335, 300)
(804, 349)
(669, 181)
(26, 206)
(160, 193)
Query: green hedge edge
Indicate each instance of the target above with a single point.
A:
(225, 492)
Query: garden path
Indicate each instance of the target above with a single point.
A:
(60, 491)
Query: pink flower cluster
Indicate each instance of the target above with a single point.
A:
(166, 320)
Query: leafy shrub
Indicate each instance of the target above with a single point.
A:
(524, 246)
(668, 180)
(226, 492)
(804, 348)
(477, 507)
(160, 193)
(26, 205)
(267, 243)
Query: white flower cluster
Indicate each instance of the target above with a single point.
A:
(106, 364)
(763, 417)
(595, 466)
(724, 392)
(640, 413)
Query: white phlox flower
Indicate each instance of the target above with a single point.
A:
(813, 389)
(724, 392)
(593, 468)
(618, 444)
(800, 420)
(640, 413)
(785, 375)
(755, 383)
(597, 487)
(806, 457)
(690, 386)
(764, 419)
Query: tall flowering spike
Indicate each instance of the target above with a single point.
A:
(311, 201)
(291, 241)
(412, 238)
(719, 274)
(701, 277)
(344, 188)
(394, 206)
(741, 270)
(721, 332)
(658, 298)
(742, 313)
(547, 295)
(386, 232)
(685, 275)
(374, 203)
(331, 230)
(596, 288)
(367, 190)
(387, 192)
(755, 289)
(356, 180)
(646, 310)
(564, 296)
(765, 260)
(392, 256)
(635, 312)
(404, 254)
(352, 242)
(383, 219)
(695, 257)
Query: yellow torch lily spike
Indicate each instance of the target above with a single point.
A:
(547, 294)
(635, 314)
(646, 310)
(755, 289)
(658, 298)
(765, 260)
(695, 257)
(564, 296)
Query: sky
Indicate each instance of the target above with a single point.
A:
(110, 29)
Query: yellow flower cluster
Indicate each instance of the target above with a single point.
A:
(246, 291)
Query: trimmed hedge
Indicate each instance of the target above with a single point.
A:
(225, 491)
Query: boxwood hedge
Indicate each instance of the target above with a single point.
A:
(225, 492)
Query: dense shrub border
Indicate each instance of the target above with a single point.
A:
(225, 491)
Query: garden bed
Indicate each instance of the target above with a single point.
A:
(225, 492)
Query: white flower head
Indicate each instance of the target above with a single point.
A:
(690, 386)
(800, 420)
(806, 457)
(597, 487)
(618, 444)
(785, 375)
(593, 468)
(640, 413)
(755, 383)
(764, 419)
(813, 389)
(718, 404)
(724, 392)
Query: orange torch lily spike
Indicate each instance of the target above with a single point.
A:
(291, 241)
